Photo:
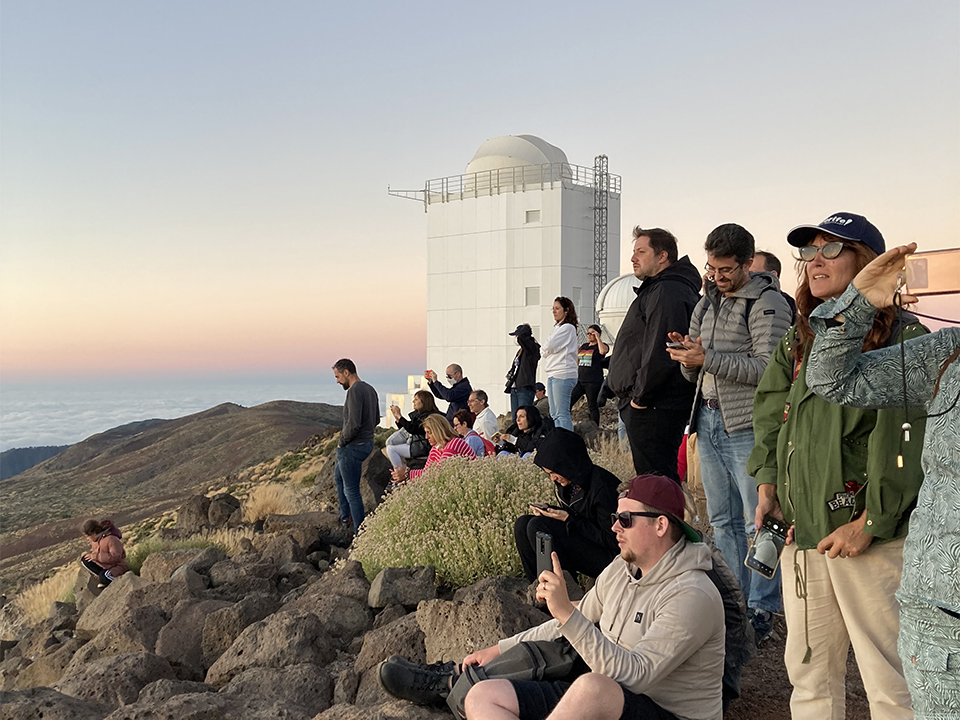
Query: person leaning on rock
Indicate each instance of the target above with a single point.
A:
(107, 560)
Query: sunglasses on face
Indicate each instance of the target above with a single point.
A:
(829, 251)
(626, 518)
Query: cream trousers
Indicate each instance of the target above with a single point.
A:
(849, 601)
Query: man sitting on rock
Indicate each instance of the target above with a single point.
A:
(651, 630)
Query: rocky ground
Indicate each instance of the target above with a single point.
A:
(287, 627)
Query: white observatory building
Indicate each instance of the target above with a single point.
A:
(519, 227)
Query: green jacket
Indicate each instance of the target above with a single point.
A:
(829, 463)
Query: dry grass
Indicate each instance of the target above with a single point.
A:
(273, 499)
(228, 539)
(34, 602)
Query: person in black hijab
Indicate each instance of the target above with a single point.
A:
(586, 497)
(529, 430)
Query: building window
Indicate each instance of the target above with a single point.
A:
(533, 216)
(532, 296)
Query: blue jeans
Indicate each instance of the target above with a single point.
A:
(520, 397)
(346, 475)
(559, 392)
(732, 503)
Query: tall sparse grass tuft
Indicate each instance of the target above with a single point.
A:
(34, 602)
(611, 456)
(273, 499)
(226, 539)
(457, 517)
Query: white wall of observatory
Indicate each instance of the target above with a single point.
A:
(499, 260)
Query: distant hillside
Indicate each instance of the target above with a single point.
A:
(122, 468)
(16, 460)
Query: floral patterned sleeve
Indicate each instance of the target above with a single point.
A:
(839, 372)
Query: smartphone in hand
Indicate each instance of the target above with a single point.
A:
(763, 557)
(544, 552)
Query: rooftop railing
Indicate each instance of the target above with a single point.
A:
(514, 179)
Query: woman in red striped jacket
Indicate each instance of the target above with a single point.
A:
(444, 443)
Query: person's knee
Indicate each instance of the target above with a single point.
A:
(488, 694)
(601, 694)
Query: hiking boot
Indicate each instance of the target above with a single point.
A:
(417, 682)
(762, 621)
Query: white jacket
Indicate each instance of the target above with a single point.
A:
(661, 635)
(486, 424)
(558, 354)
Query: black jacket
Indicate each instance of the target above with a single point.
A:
(640, 368)
(529, 440)
(592, 494)
(529, 354)
(414, 425)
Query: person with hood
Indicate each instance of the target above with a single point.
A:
(522, 376)
(841, 372)
(527, 432)
(580, 523)
(654, 399)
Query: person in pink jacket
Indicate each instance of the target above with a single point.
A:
(107, 560)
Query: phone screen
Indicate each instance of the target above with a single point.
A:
(766, 547)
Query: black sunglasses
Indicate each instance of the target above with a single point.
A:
(829, 251)
(626, 518)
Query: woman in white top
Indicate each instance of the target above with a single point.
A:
(558, 358)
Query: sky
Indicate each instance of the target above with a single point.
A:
(202, 187)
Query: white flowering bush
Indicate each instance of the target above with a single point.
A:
(457, 517)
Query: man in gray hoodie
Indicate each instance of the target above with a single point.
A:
(651, 630)
(733, 331)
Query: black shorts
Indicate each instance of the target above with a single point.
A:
(538, 699)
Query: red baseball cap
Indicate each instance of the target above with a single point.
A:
(664, 495)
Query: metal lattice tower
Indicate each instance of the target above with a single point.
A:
(601, 190)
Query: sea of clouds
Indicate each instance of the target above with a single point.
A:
(62, 413)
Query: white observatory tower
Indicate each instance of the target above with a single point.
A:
(520, 227)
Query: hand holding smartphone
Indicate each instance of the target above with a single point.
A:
(544, 552)
(763, 556)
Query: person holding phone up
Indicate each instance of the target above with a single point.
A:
(831, 473)
(580, 521)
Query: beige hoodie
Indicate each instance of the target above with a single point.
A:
(661, 636)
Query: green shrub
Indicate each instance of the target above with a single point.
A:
(457, 517)
(330, 446)
(142, 550)
(289, 463)
(309, 479)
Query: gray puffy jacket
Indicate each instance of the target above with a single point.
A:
(738, 348)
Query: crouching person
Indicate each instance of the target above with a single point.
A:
(651, 631)
(107, 560)
(580, 521)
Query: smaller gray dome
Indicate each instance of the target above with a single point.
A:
(618, 294)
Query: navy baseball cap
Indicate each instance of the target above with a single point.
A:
(843, 225)
(541, 387)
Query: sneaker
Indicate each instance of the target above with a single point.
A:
(762, 621)
(417, 682)
(346, 523)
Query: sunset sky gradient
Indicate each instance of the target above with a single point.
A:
(201, 187)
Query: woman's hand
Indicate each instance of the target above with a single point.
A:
(879, 281)
(396, 412)
(769, 504)
(560, 515)
(847, 540)
(399, 474)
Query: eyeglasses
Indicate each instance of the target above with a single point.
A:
(829, 251)
(626, 518)
(722, 272)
